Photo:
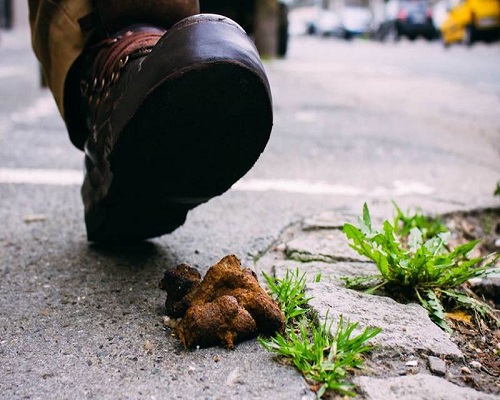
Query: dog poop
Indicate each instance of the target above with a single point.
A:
(226, 307)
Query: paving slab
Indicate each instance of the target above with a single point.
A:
(329, 246)
(405, 327)
(417, 387)
(330, 272)
(328, 220)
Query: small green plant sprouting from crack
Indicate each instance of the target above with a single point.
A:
(414, 268)
(324, 359)
(289, 293)
(404, 223)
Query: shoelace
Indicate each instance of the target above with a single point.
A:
(112, 55)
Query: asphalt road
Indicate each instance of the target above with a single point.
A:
(354, 122)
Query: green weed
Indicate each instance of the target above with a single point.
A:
(324, 359)
(404, 223)
(417, 266)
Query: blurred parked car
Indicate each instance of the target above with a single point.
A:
(386, 29)
(300, 19)
(440, 13)
(472, 20)
(355, 21)
(414, 18)
(410, 18)
(349, 22)
(6, 14)
(324, 23)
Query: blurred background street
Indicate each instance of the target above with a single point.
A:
(355, 120)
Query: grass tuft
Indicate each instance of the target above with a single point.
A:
(325, 359)
(289, 293)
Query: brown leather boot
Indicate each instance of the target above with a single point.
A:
(167, 120)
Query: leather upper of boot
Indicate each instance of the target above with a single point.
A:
(123, 31)
(93, 85)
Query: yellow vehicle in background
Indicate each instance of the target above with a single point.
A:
(471, 20)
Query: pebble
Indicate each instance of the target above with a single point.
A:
(465, 370)
(437, 366)
(34, 218)
(280, 247)
(475, 364)
(234, 377)
(171, 323)
(412, 363)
